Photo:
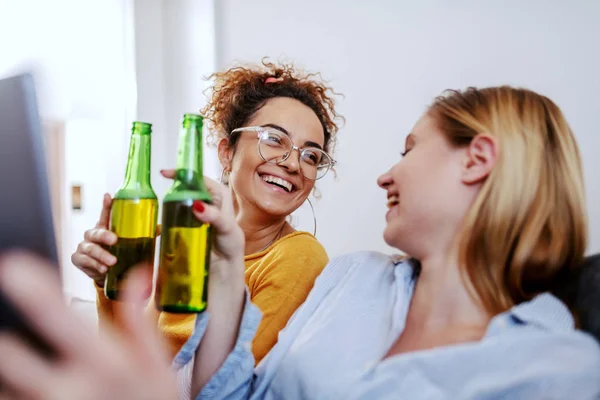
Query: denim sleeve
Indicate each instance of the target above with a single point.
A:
(234, 379)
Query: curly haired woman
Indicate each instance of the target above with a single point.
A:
(275, 128)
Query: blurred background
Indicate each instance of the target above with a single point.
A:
(100, 64)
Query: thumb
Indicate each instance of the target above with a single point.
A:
(140, 331)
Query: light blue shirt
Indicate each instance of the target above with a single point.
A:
(333, 348)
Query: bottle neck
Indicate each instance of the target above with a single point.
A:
(189, 178)
(137, 174)
(189, 156)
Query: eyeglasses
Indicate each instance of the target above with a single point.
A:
(275, 147)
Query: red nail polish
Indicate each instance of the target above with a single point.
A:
(198, 206)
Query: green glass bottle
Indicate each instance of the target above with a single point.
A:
(134, 214)
(181, 285)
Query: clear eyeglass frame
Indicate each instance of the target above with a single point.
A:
(275, 147)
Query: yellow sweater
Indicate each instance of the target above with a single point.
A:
(278, 278)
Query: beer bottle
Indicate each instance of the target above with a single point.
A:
(134, 213)
(182, 279)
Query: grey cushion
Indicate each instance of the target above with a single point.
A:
(587, 300)
(582, 291)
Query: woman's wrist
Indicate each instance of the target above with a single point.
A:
(228, 272)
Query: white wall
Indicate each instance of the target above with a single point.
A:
(82, 57)
(82, 137)
(175, 50)
(390, 58)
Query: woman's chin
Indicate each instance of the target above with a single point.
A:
(276, 208)
(388, 236)
(392, 236)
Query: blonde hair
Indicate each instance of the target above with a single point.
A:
(527, 228)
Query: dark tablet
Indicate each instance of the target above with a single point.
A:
(25, 210)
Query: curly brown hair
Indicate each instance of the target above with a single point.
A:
(239, 92)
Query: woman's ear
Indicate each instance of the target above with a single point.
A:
(481, 157)
(225, 154)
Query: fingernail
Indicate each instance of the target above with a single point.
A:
(103, 269)
(198, 206)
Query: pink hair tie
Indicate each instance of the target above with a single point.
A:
(272, 79)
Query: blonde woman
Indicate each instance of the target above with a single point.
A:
(488, 201)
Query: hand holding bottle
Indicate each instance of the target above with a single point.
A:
(126, 232)
(191, 218)
(228, 238)
(226, 283)
(91, 257)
